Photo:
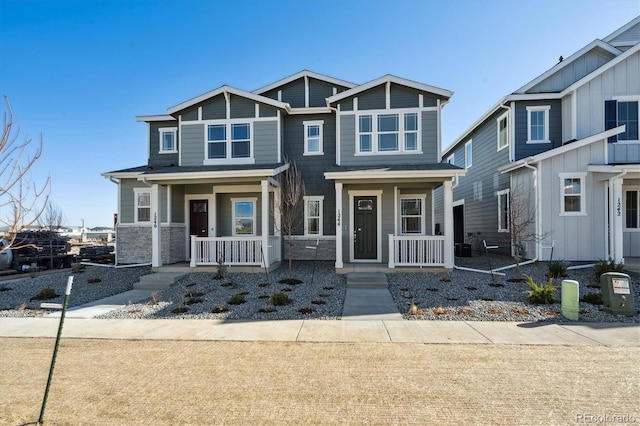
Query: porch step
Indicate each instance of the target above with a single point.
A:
(367, 280)
(157, 280)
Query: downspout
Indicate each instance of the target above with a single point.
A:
(538, 206)
(612, 211)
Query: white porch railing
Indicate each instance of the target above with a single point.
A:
(425, 250)
(233, 250)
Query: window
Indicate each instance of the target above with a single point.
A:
(628, 115)
(632, 209)
(389, 133)
(143, 205)
(538, 124)
(503, 210)
(167, 140)
(412, 214)
(573, 194)
(503, 131)
(313, 215)
(230, 140)
(244, 217)
(452, 160)
(468, 154)
(313, 137)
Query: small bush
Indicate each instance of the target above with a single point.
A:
(431, 289)
(222, 270)
(318, 302)
(237, 299)
(557, 269)
(78, 268)
(607, 266)
(45, 294)
(263, 285)
(592, 298)
(94, 280)
(441, 311)
(414, 309)
(520, 310)
(290, 281)
(471, 288)
(194, 300)
(5, 288)
(496, 285)
(465, 311)
(540, 294)
(155, 298)
(495, 312)
(280, 299)
(219, 310)
(305, 311)
(267, 310)
(179, 310)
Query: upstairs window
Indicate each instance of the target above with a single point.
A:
(313, 144)
(468, 154)
(622, 112)
(143, 205)
(538, 124)
(313, 215)
(384, 133)
(573, 194)
(168, 140)
(503, 131)
(228, 141)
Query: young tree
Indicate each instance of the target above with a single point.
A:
(52, 218)
(21, 200)
(292, 208)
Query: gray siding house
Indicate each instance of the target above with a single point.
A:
(369, 156)
(561, 153)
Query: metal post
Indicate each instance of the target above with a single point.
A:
(55, 350)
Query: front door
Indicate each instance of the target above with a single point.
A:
(365, 222)
(199, 218)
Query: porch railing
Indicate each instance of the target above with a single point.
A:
(425, 250)
(234, 250)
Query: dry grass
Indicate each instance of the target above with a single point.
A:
(118, 382)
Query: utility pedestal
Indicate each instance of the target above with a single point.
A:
(616, 293)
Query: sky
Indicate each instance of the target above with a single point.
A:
(79, 72)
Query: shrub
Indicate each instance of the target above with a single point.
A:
(94, 280)
(592, 298)
(179, 310)
(45, 294)
(414, 309)
(305, 311)
(557, 269)
(540, 294)
(280, 299)
(222, 270)
(237, 299)
(155, 298)
(607, 266)
(290, 281)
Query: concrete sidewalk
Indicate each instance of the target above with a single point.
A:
(380, 331)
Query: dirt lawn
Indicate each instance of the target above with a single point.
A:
(120, 382)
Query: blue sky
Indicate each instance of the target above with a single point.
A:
(79, 72)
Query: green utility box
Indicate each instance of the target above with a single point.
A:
(616, 293)
(570, 300)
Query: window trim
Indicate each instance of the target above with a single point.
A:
(320, 124)
(468, 159)
(254, 216)
(504, 117)
(626, 190)
(161, 132)
(136, 193)
(537, 108)
(499, 194)
(320, 199)
(628, 98)
(451, 159)
(582, 195)
(401, 132)
(423, 213)
(228, 159)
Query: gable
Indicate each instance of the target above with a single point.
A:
(626, 36)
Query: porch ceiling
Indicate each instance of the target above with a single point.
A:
(211, 174)
(436, 173)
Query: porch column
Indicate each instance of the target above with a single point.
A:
(448, 225)
(156, 227)
(616, 234)
(339, 220)
(265, 222)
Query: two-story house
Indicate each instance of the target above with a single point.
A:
(369, 156)
(565, 148)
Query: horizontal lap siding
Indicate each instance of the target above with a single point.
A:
(192, 147)
(155, 158)
(265, 141)
(524, 149)
(128, 200)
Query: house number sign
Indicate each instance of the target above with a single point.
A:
(155, 219)
(338, 218)
(618, 207)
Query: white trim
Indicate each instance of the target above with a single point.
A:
(252, 200)
(320, 124)
(506, 192)
(320, 200)
(438, 125)
(468, 156)
(582, 195)
(622, 29)
(150, 118)
(365, 193)
(401, 132)
(626, 99)
(228, 159)
(385, 173)
(392, 79)
(387, 95)
(304, 73)
(306, 91)
(500, 118)
(211, 174)
(180, 141)
(310, 110)
(226, 90)
(279, 135)
(211, 217)
(625, 189)
(537, 108)
(423, 215)
(457, 203)
(338, 137)
(161, 132)
(136, 193)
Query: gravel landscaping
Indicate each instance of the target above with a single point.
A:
(456, 295)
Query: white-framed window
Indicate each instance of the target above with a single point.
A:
(167, 140)
(244, 216)
(538, 124)
(632, 210)
(572, 190)
(503, 131)
(230, 140)
(503, 210)
(628, 115)
(468, 154)
(412, 214)
(313, 209)
(142, 213)
(313, 138)
(452, 160)
(388, 133)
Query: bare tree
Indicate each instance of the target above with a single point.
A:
(292, 208)
(52, 218)
(21, 200)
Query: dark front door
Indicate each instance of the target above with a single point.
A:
(458, 224)
(365, 222)
(199, 219)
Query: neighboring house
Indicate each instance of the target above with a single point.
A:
(566, 146)
(369, 155)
